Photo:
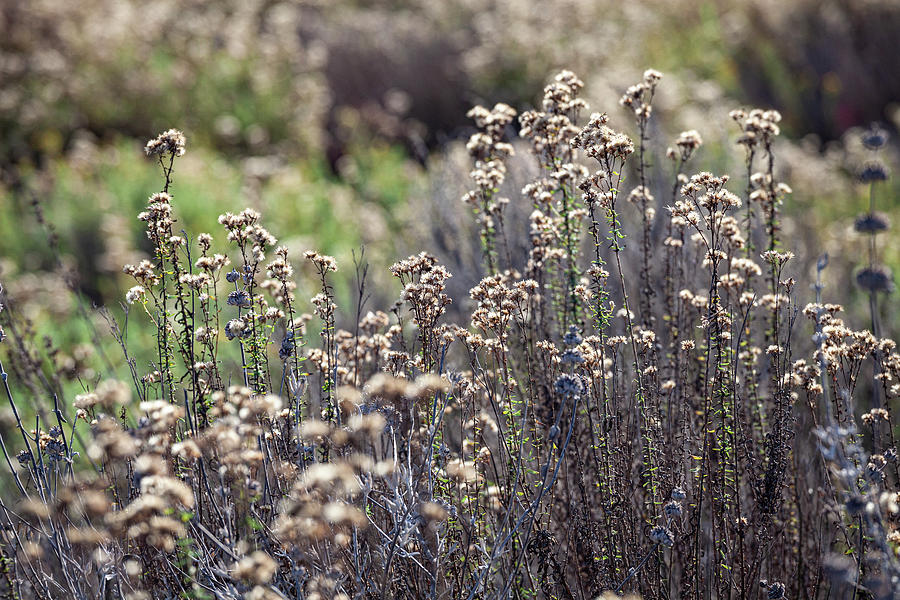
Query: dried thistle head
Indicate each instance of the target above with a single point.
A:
(872, 223)
(875, 137)
(662, 536)
(873, 172)
(876, 278)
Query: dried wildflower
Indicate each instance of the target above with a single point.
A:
(875, 468)
(161, 414)
(386, 387)
(875, 137)
(426, 386)
(550, 129)
(874, 415)
(872, 172)
(463, 471)
(143, 273)
(322, 262)
(568, 385)
(776, 258)
(204, 240)
(188, 450)
(168, 142)
(24, 457)
(236, 328)
(34, 508)
(875, 279)
(112, 393)
(108, 394)
(487, 146)
(638, 98)
(286, 349)
(673, 509)
(685, 145)
(280, 268)
(775, 591)
(424, 288)
(434, 512)
(110, 441)
(560, 97)
(493, 121)
(171, 490)
(204, 334)
(662, 536)
(212, 263)
(571, 356)
(258, 568)
(86, 401)
(602, 143)
(135, 294)
(314, 429)
(239, 298)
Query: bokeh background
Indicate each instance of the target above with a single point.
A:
(344, 123)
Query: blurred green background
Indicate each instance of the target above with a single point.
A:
(343, 123)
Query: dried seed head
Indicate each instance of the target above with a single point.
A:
(572, 337)
(673, 509)
(135, 294)
(433, 512)
(239, 298)
(662, 536)
(387, 387)
(568, 385)
(775, 591)
(873, 171)
(258, 568)
(168, 142)
(875, 137)
(875, 279)
(236, 328)
(112, 393)
(322, 262)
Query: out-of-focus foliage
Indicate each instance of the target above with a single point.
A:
(236, 74)
(262, 76)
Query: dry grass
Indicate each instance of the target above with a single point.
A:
(670, 420)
